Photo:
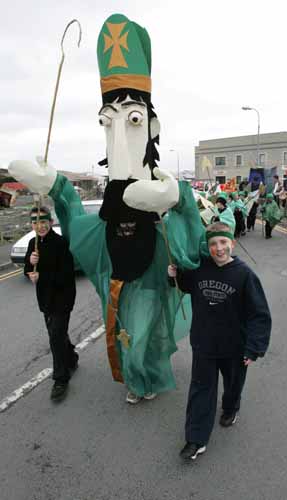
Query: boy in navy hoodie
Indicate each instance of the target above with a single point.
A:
(230, 328)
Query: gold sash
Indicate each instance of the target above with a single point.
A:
(115, 290)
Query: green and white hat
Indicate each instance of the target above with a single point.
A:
(222, 195)
(124, 55)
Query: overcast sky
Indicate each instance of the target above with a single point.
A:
(209, 59)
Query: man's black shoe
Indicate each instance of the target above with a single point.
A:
(191, 450)
(228, 419)
(59, 390)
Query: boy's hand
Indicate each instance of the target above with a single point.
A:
(33, 277)
(172, 271)
(34, 258)
(247, 361)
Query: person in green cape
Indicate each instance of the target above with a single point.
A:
(240, 212)
(123, 249)
(271, 214)
(222, 212)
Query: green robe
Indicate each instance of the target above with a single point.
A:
(240, 205)
(271, 213)
(149, 309)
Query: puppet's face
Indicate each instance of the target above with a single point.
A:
(126, 128)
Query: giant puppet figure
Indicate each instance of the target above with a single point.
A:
(122, 250)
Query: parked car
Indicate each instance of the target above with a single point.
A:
(19, 249)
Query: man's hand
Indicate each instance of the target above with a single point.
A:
(39, 178)
(153, 196)
(33, 277)
(34, 258)
(172, 271)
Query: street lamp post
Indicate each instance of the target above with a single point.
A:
(177, 155)
(248, 108)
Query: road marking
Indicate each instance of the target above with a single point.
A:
(280, 229)
(11, 274)
(276, 228)
(25, 389)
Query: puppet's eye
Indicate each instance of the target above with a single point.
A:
(135, 118)
(105, 121)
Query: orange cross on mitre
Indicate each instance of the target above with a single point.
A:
(116, 41)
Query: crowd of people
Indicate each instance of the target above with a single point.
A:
(240, 208)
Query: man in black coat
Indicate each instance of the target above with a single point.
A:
(51, 269)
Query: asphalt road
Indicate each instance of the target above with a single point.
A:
(93, 446)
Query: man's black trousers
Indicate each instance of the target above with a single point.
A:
(64, 356)
(239, 222)
(268, 229)
(251, 221)
(202, 398)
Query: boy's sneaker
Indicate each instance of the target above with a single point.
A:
(191, 450)
(149, 396)
(59, 390)
(132, 398)
(228, 419)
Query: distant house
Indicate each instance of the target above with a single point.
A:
(14, 186)
(5, 198)
(8, 193)
(81, 180)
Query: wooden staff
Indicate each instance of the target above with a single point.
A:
(38, 202)
(171, 263)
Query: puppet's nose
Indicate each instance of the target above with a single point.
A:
(119, 157)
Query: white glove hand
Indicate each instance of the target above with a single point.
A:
(153, 196)
(38, 178)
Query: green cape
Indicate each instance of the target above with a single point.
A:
(272, 213)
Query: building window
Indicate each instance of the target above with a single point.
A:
(262, 159)
(285, 158)
(220, 161)
(220, 179)
(238, 160)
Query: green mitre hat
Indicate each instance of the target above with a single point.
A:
(124, 55)
(269, 196)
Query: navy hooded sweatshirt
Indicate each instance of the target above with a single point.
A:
(230, 314)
